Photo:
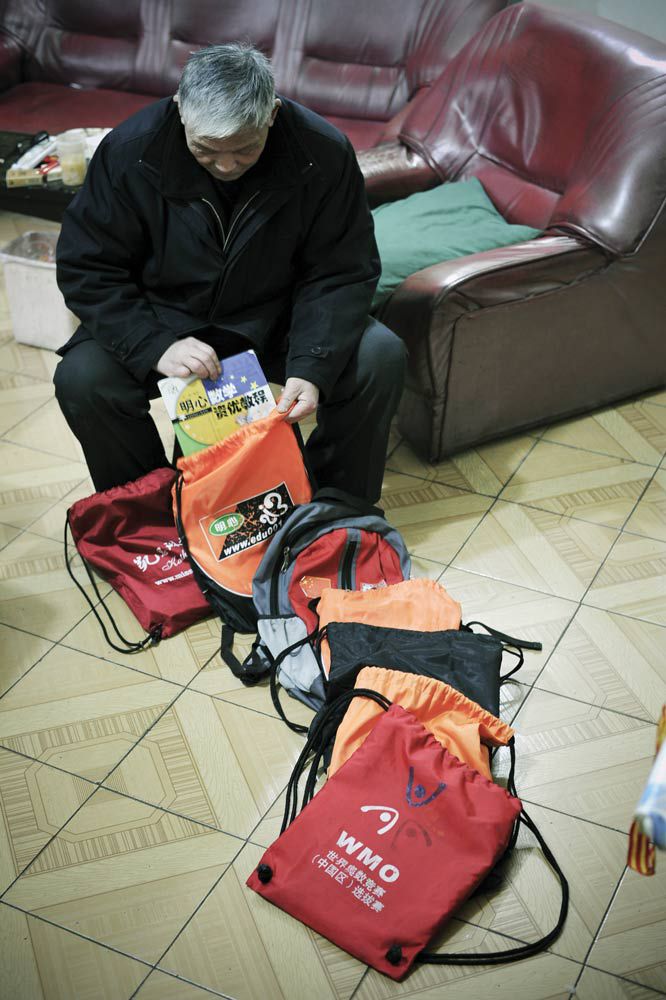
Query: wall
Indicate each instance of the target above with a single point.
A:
(648, 16)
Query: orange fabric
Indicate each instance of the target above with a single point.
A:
(641, 853)
(419, 605)
(260, 460)
(460, 725)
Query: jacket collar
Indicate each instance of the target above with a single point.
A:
(284, 163)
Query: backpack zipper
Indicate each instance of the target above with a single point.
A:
(284, 565)
(347, 562)
(351, 548)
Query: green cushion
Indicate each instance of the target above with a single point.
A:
(452, 220)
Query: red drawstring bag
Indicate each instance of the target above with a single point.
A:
(392, 845)
(128, 535)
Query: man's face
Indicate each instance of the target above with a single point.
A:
(228, 159)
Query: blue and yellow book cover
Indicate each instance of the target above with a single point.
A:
(204, 411)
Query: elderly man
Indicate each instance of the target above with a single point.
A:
(222, 219)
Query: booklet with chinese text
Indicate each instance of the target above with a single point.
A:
(204, 411)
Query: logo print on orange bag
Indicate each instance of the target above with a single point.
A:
(246, 523)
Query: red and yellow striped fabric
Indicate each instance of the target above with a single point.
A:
(641, 856)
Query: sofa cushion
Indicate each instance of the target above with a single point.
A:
(31, 107)
(451, 220)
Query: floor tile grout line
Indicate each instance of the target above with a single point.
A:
(77, 934)
(28, 527)
(593, 704)
(48, 380)
(532, 506)
(28, 416)
(492, 505)
(156, 964)
(117, 663)
(19, 531)
(247, 708)
(595, 936)
(625, 979)
(469, 490)
(128, 666)
(48, 842)
(30, 668)
(623, 614)
(596, 451)
(52, 507)
(181, 979)
(52, 767)
(265, 816)
(576, 517)
(101, 785)
(615, 542)
(581, 819)
(143, 736)
(639, 499)
(172, 812)
(551, 653)
(42, 451)
(364, 974)
(546, 593)
(33, 378)
(46, 638)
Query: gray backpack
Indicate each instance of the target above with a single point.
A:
(336, 540)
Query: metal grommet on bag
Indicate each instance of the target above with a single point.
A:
(394, 954)
(264, 873)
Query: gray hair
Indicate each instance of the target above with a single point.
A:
(226, 88)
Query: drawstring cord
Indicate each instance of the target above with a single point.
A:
(153, 636)
(316, 744)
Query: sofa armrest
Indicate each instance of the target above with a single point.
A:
(492, 335)
(492, 277)
(10, 62)
(392, 170)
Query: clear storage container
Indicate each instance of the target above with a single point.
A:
(37, 309)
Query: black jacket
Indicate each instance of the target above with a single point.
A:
(142, 263)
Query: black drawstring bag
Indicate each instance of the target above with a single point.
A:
(468, 661)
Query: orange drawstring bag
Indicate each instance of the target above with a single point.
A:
(460, 725)
(229, 501)
(420, 605)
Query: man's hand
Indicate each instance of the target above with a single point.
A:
(189, 357)
(304, 394)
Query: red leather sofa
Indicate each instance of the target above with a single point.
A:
(562, 117)
(67, 64)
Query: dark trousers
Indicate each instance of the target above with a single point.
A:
(108, 411)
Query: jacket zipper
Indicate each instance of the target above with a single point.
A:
(226, 237)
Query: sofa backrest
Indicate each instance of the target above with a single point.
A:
(92, 45)
(562, 116)
(357, 58)
(183, 26)
(367, 58)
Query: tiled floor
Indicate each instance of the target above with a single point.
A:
(136, 793)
